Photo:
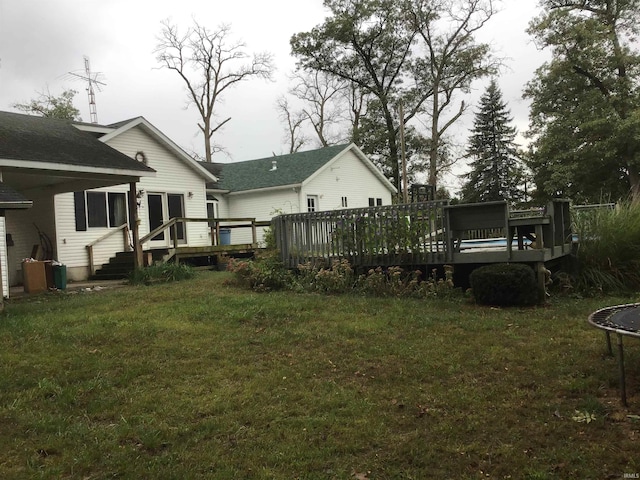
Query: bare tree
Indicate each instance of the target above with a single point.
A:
(453, 60)
(209, 63)
(322, 95)
(293, 120)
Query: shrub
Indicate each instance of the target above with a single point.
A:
(166, 272)
(397, 282)
(337, 278)
(505, 284)
(263, 274)
(267, 273)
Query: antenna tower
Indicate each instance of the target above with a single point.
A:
(91, 79)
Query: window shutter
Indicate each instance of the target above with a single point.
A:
(80, 211)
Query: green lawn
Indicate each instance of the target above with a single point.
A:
(199, 379)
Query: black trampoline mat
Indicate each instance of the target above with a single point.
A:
(627, 319)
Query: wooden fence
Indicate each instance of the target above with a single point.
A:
(390, 235)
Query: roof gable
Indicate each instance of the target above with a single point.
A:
(292, 169)
(284, 170)
(161, 138)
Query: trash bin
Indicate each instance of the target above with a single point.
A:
(34, 277)
(60, 276)
(225, 236)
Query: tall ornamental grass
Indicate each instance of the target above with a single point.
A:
(609, 249)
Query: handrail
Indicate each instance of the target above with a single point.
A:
(125, 229)
(215, 227)
(109, 234)
(158, 230)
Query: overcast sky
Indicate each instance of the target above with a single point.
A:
(42, 40)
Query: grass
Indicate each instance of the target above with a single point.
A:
(609, 250)
(198, 379)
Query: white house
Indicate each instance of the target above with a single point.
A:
(39, 159)
(176, 190)
(328, 178)
(88, 182)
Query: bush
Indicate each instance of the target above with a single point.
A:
(505, 284)
(262, 274)
(166, 272)
(396, 282)
(267, 273)
(338, 278)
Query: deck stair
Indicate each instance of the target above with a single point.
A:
(118, 267)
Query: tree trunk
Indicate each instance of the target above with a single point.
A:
(207, 142)
(435, 140)
(393, 144)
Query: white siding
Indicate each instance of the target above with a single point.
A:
(173, 176)
(261, 206)
(347, 177)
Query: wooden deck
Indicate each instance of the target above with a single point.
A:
(177, 251)
(429, 233)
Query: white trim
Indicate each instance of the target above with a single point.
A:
(65, 167)
(164, 140)
(265, 189)
(93, 128)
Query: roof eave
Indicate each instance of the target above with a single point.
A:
(56, 167)
(266, 189)
(16, 205)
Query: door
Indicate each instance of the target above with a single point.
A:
(175, 208)
(161, 208)
(156, 218)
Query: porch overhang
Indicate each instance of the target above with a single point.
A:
(29, 177)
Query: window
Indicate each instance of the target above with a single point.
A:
(344, 202)
(99, 209)
(96, 209)
(375, 202)
(212, 206)
(312, 203)
(117, 209)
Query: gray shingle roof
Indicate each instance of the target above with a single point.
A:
(9, 198)
(56, 141)
(291, 169)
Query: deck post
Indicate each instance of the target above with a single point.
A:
(92, 269)
(174, 233)
(254, 232)
(541, 273)
(135, 226)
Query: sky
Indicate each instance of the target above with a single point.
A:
(42, 41)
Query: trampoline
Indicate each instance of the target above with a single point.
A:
(621, 320)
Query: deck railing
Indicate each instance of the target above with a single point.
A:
(388, 235)
(215, 224)
(423, 233)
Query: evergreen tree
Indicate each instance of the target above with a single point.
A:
(496, 170)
